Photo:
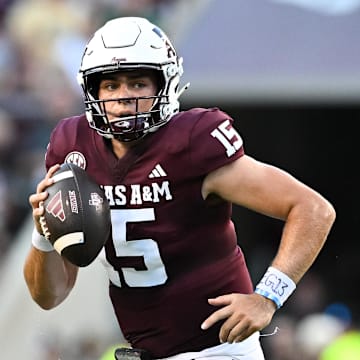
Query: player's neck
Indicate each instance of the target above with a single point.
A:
(120, 149)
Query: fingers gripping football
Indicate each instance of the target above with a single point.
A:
(76, 217)
(36, 200)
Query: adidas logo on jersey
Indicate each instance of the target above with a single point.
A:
(157, 172)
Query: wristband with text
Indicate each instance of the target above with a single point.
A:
(276, 286)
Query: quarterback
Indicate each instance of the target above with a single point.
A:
(178, 280)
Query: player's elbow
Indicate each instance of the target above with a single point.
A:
(44, 304)
(328, 212)
(42, 295)
(324, 212)
(45, 301)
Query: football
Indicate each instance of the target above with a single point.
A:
(76, 219)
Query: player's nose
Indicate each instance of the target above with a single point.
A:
(124, 100)
(124, 95)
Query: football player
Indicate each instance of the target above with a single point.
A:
(178, 280)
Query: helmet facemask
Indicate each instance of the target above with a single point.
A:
(125, 127)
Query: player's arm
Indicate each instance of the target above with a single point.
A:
(48, 276)
(271, 191)
(308, 219)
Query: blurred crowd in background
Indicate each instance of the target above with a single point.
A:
(41, 43)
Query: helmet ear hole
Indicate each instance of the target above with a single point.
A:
(93, 83)
(160, 81)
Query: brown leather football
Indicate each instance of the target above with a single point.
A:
(77, 215)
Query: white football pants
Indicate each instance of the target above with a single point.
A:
(249, 349)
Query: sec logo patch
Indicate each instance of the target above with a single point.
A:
(77, 158)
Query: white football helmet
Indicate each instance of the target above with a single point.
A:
(124, 44)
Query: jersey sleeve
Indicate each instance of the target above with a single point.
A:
(214, 142)
(53, 155)
(62, 140)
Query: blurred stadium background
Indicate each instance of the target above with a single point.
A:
(288, 71)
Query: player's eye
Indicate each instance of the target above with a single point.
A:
(111, 86)
(139, 85)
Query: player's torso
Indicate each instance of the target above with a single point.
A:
(169, 249)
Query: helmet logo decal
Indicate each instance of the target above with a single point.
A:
(158, 32)
(170, 49)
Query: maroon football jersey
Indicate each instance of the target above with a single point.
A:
(170, 249)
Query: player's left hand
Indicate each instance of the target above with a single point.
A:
(243, 315)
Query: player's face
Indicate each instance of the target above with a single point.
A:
(125, 85)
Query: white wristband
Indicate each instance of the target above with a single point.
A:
(39, 242)
(276, 286)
